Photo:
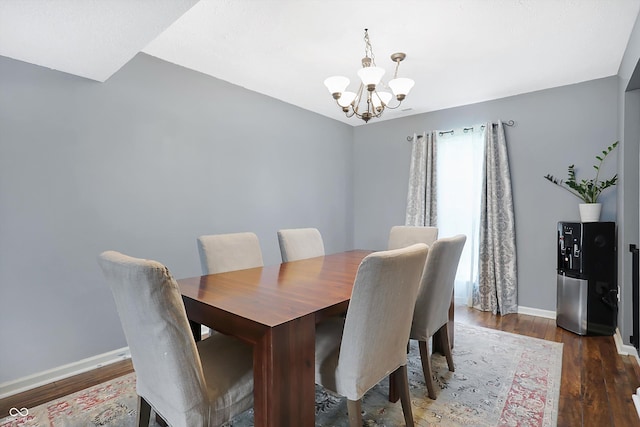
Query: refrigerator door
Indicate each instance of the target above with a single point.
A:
(571, 313)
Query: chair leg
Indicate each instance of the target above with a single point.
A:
(144, 412)
(402, 385)
(446, 346)
(425, 358)
(354, 407)
(393, 389)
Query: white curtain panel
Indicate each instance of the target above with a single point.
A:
(421, 197)
(497, 290)
(459, 176)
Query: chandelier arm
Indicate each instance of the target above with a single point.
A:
(374, 109)
(338, 103)
(353, 112)
(376, 113)
(355, 105)
(350, 113)
(384, 105)
(371, 109)
(356, 102)
(393, 108)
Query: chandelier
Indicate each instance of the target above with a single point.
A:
(373, 96)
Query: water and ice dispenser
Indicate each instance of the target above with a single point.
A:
(587, 301)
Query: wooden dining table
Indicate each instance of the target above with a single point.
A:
(275, 309)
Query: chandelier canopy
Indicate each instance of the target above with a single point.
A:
(373, 95)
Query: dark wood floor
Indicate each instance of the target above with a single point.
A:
(596, 387)
(597, 383)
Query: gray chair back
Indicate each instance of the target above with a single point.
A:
(220, 253)
(300, 243)
(164, 355)
(376, 329)
(434, 297)
(401, 236)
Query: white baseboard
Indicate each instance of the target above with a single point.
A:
(547, 314)
(524, 310)
(19, 385)
(636, 402)
(625, 349)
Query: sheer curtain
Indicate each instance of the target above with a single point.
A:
(459, 175)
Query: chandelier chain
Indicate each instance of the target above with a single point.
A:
(368, 49)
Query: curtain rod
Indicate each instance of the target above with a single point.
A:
(507, 123)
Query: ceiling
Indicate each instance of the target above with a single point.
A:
(458, 51)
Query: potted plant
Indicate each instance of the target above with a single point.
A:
(588, 190)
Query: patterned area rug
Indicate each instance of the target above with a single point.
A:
(501, 379)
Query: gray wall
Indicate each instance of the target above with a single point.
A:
(554, 128)
(143, 163)
(158, 155)
(628, 200)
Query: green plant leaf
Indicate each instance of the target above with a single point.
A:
(587, 190)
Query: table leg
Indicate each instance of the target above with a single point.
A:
(284, 383)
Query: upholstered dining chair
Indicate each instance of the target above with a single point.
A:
(220, 253)
(354, 353)
(405, 235)
(431, 312)
(300, 243)
(186, 383)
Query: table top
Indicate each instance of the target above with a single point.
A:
(276, 294)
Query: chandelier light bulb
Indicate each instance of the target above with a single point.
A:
(336, 85)
(346, 99)
(371, 76)
(380, 99)
(401, 87)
